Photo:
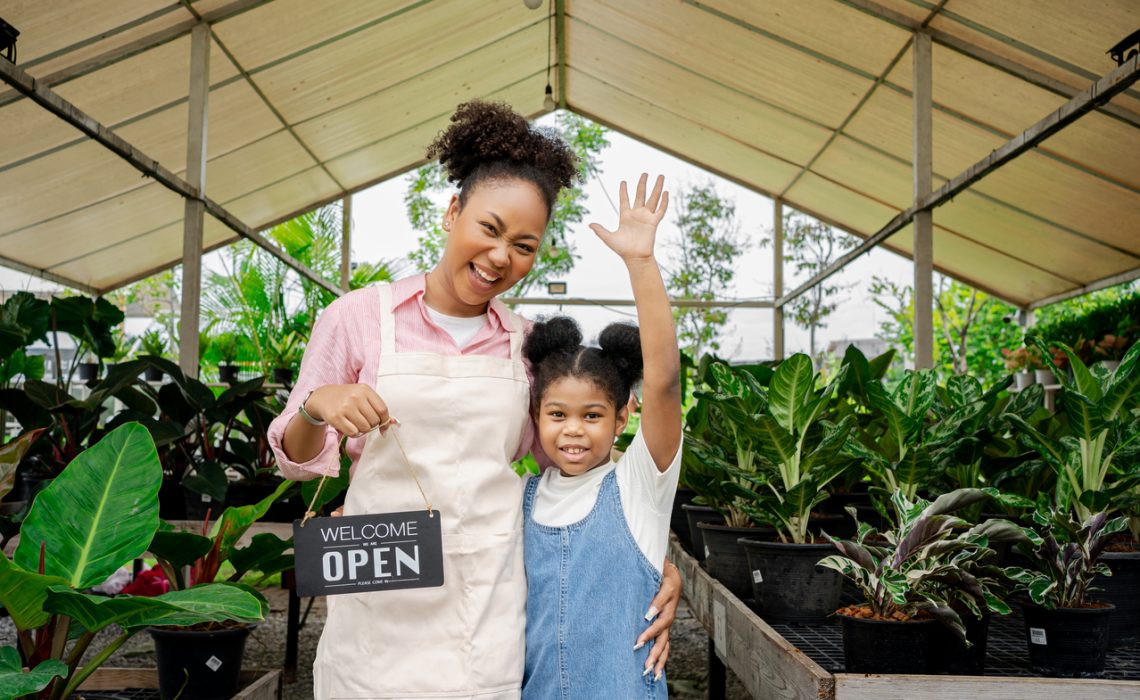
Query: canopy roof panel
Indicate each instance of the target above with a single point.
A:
(808, 100)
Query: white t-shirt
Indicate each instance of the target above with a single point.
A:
(646, 497)
(462, 329)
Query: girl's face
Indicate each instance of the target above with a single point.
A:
(577, 424)
(491, 245)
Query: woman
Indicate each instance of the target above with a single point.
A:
(441, 354)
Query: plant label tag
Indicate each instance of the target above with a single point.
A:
(213, 663)
(361, 553)
(207, 499)
(1037, 636)
(757, 577)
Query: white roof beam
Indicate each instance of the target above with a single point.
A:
(49, 100)
(1098, 93)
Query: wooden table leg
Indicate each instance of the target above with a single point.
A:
(717, 677)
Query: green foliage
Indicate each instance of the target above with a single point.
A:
(24, 320)
(94, 518)
(153, 343)
(556, 254)
(812, 246)
(970, 327)
(1064, 554)
(701, 264)
(929, 561)
(1082, 321)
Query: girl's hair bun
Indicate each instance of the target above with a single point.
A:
(621, 344)
(552, 336)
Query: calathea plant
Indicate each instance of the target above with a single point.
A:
(1064, 554)
(1099, 461)
(931, 562)
(98, 515)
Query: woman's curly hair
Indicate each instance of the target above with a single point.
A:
(554, 349)
(490, 141)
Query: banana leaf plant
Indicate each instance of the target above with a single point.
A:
(97, 516)
(930, 562)
(1098, 461)
(205, 554)
(1064, 554)
(903, 456)
(798, 453)
(721, 455)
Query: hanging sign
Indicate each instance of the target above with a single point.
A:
(360, 553)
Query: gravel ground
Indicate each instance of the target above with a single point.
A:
(688, 670)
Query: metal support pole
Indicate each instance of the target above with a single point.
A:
(778, 277)
(346, 242)
(195, 217)
(923, 219)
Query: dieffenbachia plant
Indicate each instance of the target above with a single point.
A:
(1098, 461)
(930, 561)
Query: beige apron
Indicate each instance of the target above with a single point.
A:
(461, 421)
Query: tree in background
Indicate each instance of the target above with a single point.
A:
(701, 264)
(261, 300)
(556, 253)
(812, 246)
(970, 327)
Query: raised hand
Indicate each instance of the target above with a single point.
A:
(637, 223)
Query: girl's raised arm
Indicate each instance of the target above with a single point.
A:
(661, 387)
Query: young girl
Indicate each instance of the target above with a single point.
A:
(595, 531)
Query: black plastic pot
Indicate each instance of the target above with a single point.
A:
(208, 664)
(283, 375)
(699, 514)
(1122, 589)
(724, 557)
(153, 374)
(1067, 642)
(788, 583)
(887, 646)
(228, 373)
(950, 655)
(678, 523)
(88, 371)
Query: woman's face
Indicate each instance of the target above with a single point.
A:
(491, 244)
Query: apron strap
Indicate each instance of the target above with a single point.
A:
(518, 330)
(387, 320)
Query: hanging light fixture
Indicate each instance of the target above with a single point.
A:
(548, 102)
(8, 35)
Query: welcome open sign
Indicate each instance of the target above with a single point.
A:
(359, 553)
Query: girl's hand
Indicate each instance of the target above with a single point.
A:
(352, 409)
(637, 224)
(662, 612)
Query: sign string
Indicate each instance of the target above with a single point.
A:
(311, 511)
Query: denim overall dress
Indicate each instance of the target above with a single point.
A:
(588, 586)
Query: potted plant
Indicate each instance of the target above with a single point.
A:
(98, 515)
(88, 367)
(1020, 362)
(284, 354)
(1095, 459)
(720, 447)
(928, 570)
(226, 345)
(124, 348)
(153, 344)
(798, 455)
(183, 650)
(1067, 631)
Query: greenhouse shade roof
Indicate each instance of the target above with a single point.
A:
(808, 100)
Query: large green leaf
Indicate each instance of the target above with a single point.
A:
(99, 514)
(265, 553)
(15, 682)
(790, 389)
(22, 593)
(215, 602)
(179, 548)
(236, 520)
(773, 441)
(1123, 385)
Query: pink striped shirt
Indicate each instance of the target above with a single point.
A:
(345, 349)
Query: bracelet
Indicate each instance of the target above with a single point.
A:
(305, 414)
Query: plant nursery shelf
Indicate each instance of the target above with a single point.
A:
(142, 684)
(786, 662)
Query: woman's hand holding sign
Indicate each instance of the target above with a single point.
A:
(352, 409)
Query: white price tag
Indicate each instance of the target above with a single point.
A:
(1037, 636)
(757, 577)
(207, 499)
(214, 663)
(720, 634)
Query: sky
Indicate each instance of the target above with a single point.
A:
(381, 231)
